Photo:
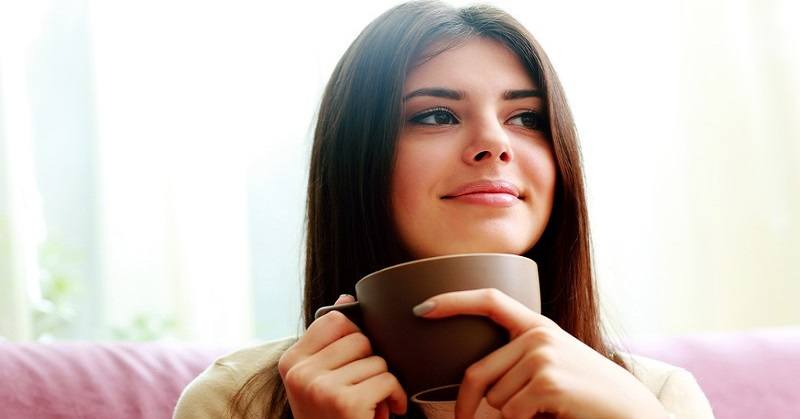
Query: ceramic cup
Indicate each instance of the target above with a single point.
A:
(428, 356)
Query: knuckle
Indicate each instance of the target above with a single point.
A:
(291, 379)
(474, 374)
(285, 363)
(361, 343)
(539, 359)
(390, 380)
(493, 399)
(539, 336)
(319, 391)
(547, 355)
(336, 319)
(380, 363)
(548, 384)
(493, 295)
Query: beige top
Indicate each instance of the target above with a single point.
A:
(207, 396)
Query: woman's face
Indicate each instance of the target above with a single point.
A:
(474, 170)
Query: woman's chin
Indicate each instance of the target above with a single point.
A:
(460, 247)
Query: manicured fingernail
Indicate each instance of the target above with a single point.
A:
(424, 308)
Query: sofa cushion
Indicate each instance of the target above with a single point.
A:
(744, 374)
(748, 374)
(96, 380)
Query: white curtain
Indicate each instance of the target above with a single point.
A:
(21, 221)
(153, 158)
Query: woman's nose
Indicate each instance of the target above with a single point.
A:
(489, 142)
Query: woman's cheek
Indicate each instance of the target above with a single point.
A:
(539, 166)
(422, 167)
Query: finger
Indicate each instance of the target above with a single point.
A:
(482, 374)
(324, 331)
(489, 302)
(511, 383)
(383, 388)
(340, 353)
(525, 403)
(522, 358)
(382, 411)
(360, 370)
(344, 299)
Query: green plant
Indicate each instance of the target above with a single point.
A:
(53, 313)
(146, 327)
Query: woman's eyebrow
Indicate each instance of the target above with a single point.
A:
(436, 92)
(458, 95)
(520, 94)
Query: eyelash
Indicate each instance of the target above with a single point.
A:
(419, 116)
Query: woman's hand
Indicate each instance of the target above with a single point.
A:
(330, 372)
(543, 369)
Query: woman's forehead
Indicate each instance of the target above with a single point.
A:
(476, 63)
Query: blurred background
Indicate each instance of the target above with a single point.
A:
(153, 159)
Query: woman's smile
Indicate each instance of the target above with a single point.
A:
(492, 199)
(498, 193)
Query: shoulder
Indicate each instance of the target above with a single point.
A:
(209, 394)
(675, 387)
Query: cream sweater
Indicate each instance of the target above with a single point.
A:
(207, 396)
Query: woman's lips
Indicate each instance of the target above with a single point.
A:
(495, 193)
(492, 199)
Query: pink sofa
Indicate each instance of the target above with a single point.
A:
(745, 375)
(753, 374)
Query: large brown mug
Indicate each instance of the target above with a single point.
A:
(428, 356)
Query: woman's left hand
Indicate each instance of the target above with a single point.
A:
(543, 369)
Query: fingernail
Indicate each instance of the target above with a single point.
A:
(424, 308)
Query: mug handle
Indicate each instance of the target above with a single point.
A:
(351, 310)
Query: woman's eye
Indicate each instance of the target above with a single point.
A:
(529, 119)
(435, 117)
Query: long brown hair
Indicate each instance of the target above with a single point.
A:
(350, 231)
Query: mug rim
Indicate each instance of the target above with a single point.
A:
(453, 256)
(415, 397)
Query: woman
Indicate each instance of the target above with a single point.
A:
(446, 131)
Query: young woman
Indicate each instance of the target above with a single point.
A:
(445, 131)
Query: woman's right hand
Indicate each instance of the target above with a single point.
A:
(330, 372)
